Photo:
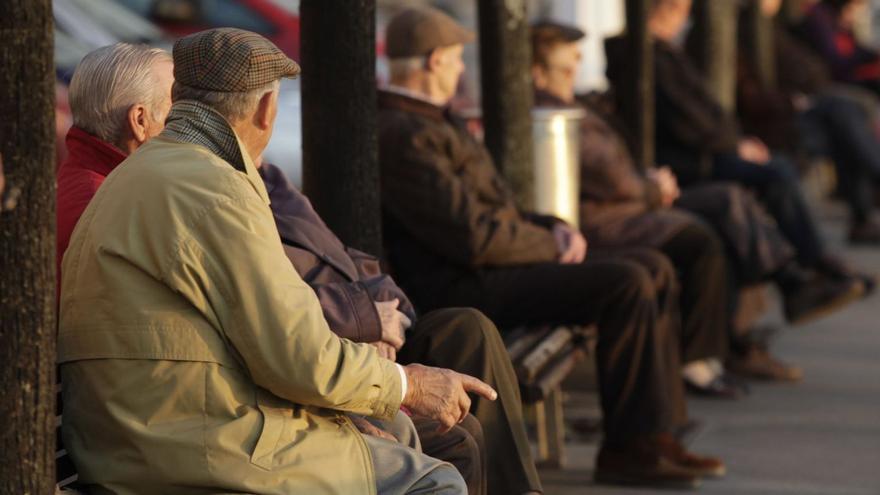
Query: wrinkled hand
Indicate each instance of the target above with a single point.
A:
(386, 350)
(668, 184)
(442, 394)
(570, 243)
(368, 428)
(394, 323)
(752, 149)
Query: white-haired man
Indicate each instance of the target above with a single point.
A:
(119, 97)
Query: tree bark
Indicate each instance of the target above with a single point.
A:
(756, 30)
(507, 94)
(27, 249)
(340, 145)
(712, 44)
(636, 99)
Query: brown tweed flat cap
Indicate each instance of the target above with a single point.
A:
(546, 28)
(416, 31)
(229, 60)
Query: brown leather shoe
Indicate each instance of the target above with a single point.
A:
(757, 363)
(702, 466)
(641, 464)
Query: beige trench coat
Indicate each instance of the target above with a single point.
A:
(194, 359)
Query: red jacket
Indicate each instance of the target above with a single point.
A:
(89, 162)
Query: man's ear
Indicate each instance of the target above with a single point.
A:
(137, 122)
(538, 78)
(433, 60)
(266, 110)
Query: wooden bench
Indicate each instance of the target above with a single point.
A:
(542, 359)
(65, 472)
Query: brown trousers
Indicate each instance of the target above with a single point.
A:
(466, 341)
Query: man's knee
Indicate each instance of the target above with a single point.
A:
(442, 480)
(634, 284)
(467, 327)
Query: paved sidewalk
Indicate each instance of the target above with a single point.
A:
(819, 437)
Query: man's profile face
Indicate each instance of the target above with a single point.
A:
(678, 12)
(449, 69)
(557, 76)
(163, 73)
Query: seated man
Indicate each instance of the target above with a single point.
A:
(803, 112)
(192, 354)
(365, 305)
(455, 238)
(621, 207)
(117, 74)
(701, 142)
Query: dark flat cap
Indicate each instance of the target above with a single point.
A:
(229, 60)
(416, 31)
(556, 30)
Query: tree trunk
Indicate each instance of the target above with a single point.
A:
(27, 249)
(340, 145)
(636, 100)
(507, 95)
(756, 29)
(712, 44)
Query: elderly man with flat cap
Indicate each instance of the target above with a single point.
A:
(455, 238)
(194, 358)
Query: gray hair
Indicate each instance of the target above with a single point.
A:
(401, 68)
(232, 104)
(108, 81)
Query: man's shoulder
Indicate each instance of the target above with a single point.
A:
(172, 166)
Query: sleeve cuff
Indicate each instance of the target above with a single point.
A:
(403, 383)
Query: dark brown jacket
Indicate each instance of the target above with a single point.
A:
(691, 125)
(767, 112)
(348, 282)
(446, 209)
(618, 205)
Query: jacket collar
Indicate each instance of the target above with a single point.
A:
(91, 153)
(196, 123)
(547, 99)
(397, 101)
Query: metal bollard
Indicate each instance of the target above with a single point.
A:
(557, 162)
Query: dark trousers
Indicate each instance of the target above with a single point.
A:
(776, 185)
(755, 247)
(637, 376)
(699, 257)
(466, 341)
(847, 133)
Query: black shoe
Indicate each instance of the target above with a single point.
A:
(820, 297)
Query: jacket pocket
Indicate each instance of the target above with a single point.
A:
(274, 419)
